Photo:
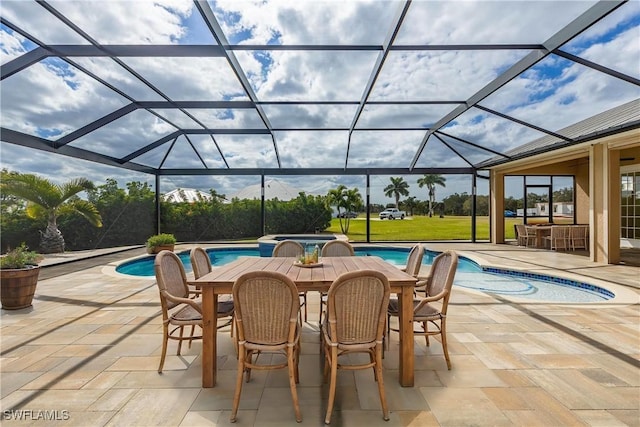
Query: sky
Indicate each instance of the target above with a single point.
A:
(52, 98)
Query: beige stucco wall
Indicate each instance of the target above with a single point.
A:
(582, 192)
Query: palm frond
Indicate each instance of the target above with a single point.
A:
(84, 208)
(33, 189)
(75, 186)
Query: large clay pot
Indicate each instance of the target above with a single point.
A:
(18, 287)
(157, 249)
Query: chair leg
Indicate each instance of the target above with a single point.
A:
(249, 356)
(193, 330)
(372, 361)
(303, 297)
(291, 362)
(297, 362)
(378, 371)
(165, 341)
(332, 384)
(233, 317)
(443, 334)
(326, 368)
(180, 340)
(388, 339)
(425, 326)
(239, 376)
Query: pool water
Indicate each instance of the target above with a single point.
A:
(469, 275)
(144, 266)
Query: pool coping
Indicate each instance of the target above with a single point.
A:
(623, 295)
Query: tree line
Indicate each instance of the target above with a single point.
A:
(54, 218)
(126, 216)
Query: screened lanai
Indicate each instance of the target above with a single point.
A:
(223, 94)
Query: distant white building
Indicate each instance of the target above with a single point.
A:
(190, 195)
(542, 209)
(272, 189)
(563, 209)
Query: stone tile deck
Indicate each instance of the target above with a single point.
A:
(87, 354)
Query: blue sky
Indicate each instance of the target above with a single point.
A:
(52, 98)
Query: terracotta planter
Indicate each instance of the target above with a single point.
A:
(18, 287)
(157, 249)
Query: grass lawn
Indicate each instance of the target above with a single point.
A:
(421, 228)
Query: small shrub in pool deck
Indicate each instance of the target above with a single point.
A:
(161, 240)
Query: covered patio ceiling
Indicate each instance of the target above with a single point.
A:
(177, 87)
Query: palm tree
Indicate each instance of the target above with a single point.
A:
(431, 181)
(410, 204)
(347, 199)
(48, 200)
(398, 187)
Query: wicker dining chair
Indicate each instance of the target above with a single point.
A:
(559, 238)
(413, 266)
(292, 248)
(525, 235)
(337, 248)
(267, 321)
(579, 237)
(178, 309)
(438, 286)
(356, 307)
(288, 248)
(201, 265)
(414, 260)
(333, 248)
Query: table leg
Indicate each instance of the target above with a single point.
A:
(405, 298)
(209, 337)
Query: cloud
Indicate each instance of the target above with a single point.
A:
(52, 98)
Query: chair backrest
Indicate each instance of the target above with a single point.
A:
(560, 232)
(579, 231)
(443, 271)
(414, 260)
(356, 307)
(170, 278)
(521, 230)
(288, 248)
(266, 307)
(337, 248)
(200, 262)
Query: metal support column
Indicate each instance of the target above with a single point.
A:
(473, 206)
(368, 201)
(263, 214)
(157, 224)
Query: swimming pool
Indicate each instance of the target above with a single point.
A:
(469, 275)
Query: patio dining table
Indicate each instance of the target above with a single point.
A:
(541, 232)
(220, 282)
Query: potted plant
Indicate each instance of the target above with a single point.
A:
(18, 276)
(159, 242)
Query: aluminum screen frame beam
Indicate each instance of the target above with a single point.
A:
(218, 34)
(577, 26)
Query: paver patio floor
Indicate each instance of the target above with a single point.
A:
(87, 353)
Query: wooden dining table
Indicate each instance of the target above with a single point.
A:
(541, 232)
(220, 282)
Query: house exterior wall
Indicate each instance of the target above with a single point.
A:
(581, 194)
(596, 168)
(496, 192)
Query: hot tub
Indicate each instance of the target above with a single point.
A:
(267, 243)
